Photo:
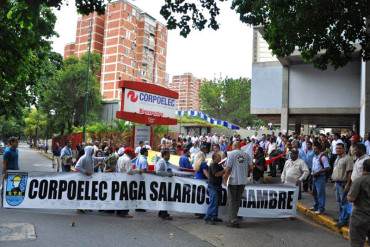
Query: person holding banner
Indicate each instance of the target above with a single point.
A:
(216, 171)
(85, 164)
(237, 169)
(162, 169)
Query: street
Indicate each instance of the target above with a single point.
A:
(53, 227)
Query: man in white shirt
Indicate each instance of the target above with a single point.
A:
(295, 171)
(138, 148)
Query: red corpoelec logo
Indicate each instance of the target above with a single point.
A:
(132, 96)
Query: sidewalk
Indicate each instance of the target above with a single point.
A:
(329, 218)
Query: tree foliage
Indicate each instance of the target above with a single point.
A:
(35, 124)
(66, 90)
(227, 99)
(326, 32)
(25, 30)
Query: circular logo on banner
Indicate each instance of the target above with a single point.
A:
(132, 96)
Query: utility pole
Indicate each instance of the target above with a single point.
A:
(87, 83)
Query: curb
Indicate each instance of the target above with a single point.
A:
(324, 220)
(46, 155)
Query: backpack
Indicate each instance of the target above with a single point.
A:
(328, 172)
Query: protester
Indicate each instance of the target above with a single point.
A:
(162, 168)
(307, 155)
(360, 152)
(359, 194)
(238, 165)
(10, 158)
(138, 148)
(295, 171)
(66, 157)
(85, 164)
(216, 171)
(216, 149)
(56, 156)
(124, 165)
(259, 165)
(184, 161)
(142, 161)
(200, 164)
(320, 168)
(341, 175)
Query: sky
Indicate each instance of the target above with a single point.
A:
(207, 54)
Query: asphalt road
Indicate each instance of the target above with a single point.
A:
(53, 227)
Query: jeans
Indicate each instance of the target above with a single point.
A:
(319, 195)
(212, 212)
(342, 202)
(234, 198)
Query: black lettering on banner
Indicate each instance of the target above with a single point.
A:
(272, 199)
(102, 191)
(193, 193)
(262, 198)
(94, 189)
(251, 199)
(142, 194)
(282, 199)
(124, 191)
(43, 189)
(87, 190)
(71, 190)
(154, 192)
(115, 189)
(133, 190)
(34, 184)
(186, 190)
(177, 193)
(162, 192)
(80, 190)
(53, 185)
(201, 194)
(62, 188)
(207, 196)
(290, 200)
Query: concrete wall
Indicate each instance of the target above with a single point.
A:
(266, 95)
(313, 88)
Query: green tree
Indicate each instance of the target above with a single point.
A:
(227, 99)
(25, 30)
(326, 32)
(12, 126)
(66, 90)
(35, 125)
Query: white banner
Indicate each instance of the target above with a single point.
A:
(115, 191)
(149, 104)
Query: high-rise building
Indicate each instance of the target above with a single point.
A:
(188, 88)
(133, 46)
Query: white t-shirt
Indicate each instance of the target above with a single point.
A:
(239, 162)
(137, 150)
(124, 164)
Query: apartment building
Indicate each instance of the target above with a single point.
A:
(188, 88)
(133, 45)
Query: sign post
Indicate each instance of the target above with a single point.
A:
(147, 104)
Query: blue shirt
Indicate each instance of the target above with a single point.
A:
(317, 165)
(223, 147)
(184, 162)
(11, 157)
(141, 163)
(199, 174)
(66, 151)
(307, 157)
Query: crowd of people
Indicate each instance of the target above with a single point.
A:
(310, 162)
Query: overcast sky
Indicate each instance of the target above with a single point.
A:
(206, 54)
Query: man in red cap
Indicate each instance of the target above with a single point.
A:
(354, 140)
(124, 165)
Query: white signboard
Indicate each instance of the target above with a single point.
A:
(149, 104)
(116, 191)
(142, 133)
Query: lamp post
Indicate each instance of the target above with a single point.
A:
(87, 84)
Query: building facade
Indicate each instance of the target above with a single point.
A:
(295, 95)
(132, 43)
(188, 88)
